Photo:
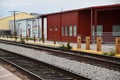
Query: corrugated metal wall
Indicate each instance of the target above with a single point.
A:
(84, 22)
(59, 20)
(53, 21)
(108, 18)
(69, 19)
(82, 19)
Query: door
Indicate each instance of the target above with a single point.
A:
(29, 32)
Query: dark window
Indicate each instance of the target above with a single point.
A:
(66, 31)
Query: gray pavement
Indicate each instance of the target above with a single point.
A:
(7, 75)
(105, 47)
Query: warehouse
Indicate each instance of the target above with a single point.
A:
(29, 26)
(101, 21)
(4, 21)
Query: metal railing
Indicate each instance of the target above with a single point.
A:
(107, 37)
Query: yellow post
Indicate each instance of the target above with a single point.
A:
(54, 39)
(98, 43)
(117, 42)
(78, 42)
(87, 43)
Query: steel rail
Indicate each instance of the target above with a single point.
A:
(61, 70)
(95, 59)
(20, 69)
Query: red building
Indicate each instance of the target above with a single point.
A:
(101, 21)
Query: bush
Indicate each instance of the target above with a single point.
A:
(63, 46)
(68, 46)
(22, 41)
(111, 53)
(30, 38)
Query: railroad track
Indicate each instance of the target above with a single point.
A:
(36, 70)
(94, 59)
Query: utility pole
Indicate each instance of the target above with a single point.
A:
(15, 33)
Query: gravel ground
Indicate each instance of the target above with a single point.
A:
(87, 70)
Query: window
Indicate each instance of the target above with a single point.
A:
(34, 23)
(56, 28)
(51, 29)
(70, 31)
(116, 30)
(62, 30)
(75, 30)
(66, 30)
(99, 30)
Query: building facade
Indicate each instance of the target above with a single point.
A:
(101, 21)
(29, 26)
(4, 21)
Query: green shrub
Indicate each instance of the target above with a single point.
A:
(30, 38)
(22, 41)
(63, 46)
(14, 37)
(111, 53)
(68, 46)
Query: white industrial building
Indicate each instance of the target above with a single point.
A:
(30, 27)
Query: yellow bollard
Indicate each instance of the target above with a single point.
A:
(98, 43)
(117, 43)
(87, 43)
(78, 42)
(54, 39)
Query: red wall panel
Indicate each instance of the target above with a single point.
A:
(82, 19)
(53, 21)
(61, 19)
(108, 18)
(69, 19)
(84, 23)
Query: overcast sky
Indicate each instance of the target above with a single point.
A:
(48, 6)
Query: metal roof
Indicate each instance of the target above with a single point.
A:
(113, 6)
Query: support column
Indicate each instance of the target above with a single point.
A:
(20, 36)
(43, 30)
(38, 30)
(34, 38)
(95, 22)
(92, 36)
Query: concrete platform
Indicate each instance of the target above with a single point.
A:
(7, 75)
(93, 47)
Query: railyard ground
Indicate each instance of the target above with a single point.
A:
(93, 47)
(7, 75)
